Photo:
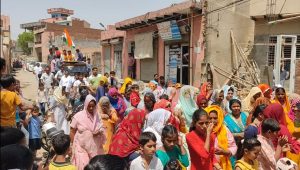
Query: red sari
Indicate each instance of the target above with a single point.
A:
(126, 139)
(200, 158)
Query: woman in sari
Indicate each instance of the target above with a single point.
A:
(249, 101)
(229, 93)
(266, 90)
(217, 98)
(275, 111)
(206, 90)
(202, 102)
(186, 104)
(156, 121)
(117, 102)
(258, 101)
(101, 89)
(109, 118)
(294, 115)
(87, 134)
(282, 99)
(125, 142)
(225, 145)
(58, 106)
(176, 95)
(236, 122)
(127, 82)
(134, 102)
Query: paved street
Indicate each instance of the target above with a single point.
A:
(29, 84)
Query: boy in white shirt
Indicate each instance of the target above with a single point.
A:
(147, 160)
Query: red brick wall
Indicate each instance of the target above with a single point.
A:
(297, 77)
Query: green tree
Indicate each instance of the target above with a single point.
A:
(23, 40)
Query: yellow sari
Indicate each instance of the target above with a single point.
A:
(221, 133)
(127, 80)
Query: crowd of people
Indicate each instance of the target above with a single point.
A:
(155, 126)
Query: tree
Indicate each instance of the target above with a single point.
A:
(23, 40)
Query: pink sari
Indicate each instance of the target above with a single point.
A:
(86, 144)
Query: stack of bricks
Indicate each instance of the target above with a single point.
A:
(297, 77)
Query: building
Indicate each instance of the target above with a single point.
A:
(48, 32)
(166, 41)
(6, 41)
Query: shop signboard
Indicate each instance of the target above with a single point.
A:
(169, 30)
(174, 55)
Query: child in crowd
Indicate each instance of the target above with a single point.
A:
(147, 160)
(41, 98)
(61, 145)
(9, 135)
(269, 154)
(34, 129)
(172, 147)
(9, 101)
(248, 154)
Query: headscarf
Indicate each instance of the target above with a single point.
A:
(221, 132)
(103, 79)
(103, 100)
(134, 98)
(117, 103)
(200, 97)
(62, 99)
(203, 89)
(264, 88)
(157, 119)
(259, 101)
(152, 85)
(177, 94)
(163, 104)
(248, 102)
(187, 104)
(225, 101)
(127, 80)
(293, 104)
(215, 95)
(126, 139)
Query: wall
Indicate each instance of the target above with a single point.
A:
(219, 25)
(297, 77)
(282, 6)
(5, 44)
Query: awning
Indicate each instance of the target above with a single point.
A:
(143, 45)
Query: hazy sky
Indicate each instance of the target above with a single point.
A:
(93, 11)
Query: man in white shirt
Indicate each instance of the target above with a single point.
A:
(47, 79)
(59, 74)
(147, 159)
(65, 80)
(38, 71)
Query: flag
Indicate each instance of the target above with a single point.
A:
(67, 39)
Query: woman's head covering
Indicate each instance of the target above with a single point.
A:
(103, 80)
(163, 104)
(187, 103)
(249, 100)
(203, 89)
(103, 100)
(286, 106)
(152, 85)
(134, 98)
(294, 102)
(59, 97)
(215, 95)
(127, 80)
(200, 97)
(221, 132)
(126, 139)
(264, 88)
(226, 89)
(275, 111)
(117, 103)
(157, 119)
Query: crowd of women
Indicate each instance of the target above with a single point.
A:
(204, 128)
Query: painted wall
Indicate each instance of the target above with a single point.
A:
(282, 6)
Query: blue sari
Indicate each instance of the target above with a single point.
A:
(235, 127)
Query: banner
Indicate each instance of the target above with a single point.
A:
(143, 46)
(169, 30)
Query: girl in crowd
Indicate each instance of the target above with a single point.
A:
(249, 101)
(206, 90)
(187, 104)
(172, 147)
(117, 102)
(225, 145)
(125, 142)
(102, 88)
(200, 142)
(258, 101)
(109, 118)
(275, 111)
(266, 90)
(217, 98)
(58, 104)
(202, 102)
(248, 155)
(282, 99)
(229, 93)
(87, 134)
(258, 116)
(156, 121)
(127, 82)
(236, 122)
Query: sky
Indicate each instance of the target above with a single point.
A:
(107, 12)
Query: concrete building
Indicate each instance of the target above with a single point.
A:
(5, 41)
(49, 31)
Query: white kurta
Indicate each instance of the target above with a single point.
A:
(59, 112)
